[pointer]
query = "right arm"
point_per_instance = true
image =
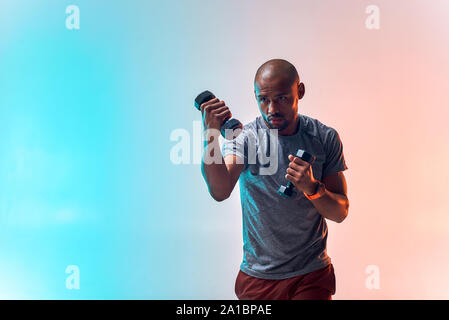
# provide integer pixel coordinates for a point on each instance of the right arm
(220, 175)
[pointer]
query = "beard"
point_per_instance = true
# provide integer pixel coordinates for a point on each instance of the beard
(279, 126)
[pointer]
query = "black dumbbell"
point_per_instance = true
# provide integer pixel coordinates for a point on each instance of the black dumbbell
(287, 191)
(228, 124)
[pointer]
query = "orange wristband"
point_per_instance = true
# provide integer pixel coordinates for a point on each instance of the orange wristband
(320, 191)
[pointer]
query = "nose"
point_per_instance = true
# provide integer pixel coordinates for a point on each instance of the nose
(272, 109)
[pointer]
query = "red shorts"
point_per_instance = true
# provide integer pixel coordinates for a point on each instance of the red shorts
(316, 285)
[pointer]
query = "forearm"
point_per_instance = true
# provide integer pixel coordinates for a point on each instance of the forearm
(333, 206)
(215, 172)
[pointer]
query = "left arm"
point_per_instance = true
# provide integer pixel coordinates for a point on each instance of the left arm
(334, 203)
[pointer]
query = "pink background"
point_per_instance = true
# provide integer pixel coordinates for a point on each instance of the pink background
(385, 91)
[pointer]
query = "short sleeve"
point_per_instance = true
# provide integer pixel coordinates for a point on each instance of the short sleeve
(335, 160)
(237, 146)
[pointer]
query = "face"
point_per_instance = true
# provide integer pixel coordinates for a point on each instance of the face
(278, 103)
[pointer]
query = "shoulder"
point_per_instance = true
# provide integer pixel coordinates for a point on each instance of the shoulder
(253, 125)
(248, 133)
(251, 129)
(317, 129)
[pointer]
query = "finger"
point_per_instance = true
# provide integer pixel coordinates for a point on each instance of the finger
(295, 166)
(219, 110)
(225, 114)
(290, 178)
(212, 109)
(299, 161)
(210, 101)
(294, 173)
(205, 104)
(214, 106)
(217, 104)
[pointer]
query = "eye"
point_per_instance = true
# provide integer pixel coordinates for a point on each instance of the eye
(282, 98)
(262, 99)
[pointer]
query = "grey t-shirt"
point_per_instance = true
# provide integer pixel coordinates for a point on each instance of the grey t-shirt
(282, 237)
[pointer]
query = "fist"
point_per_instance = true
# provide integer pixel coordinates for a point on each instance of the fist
(214, 113)
(299, 172)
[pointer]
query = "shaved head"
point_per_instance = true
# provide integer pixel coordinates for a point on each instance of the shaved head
(277, 89)
(277, 68)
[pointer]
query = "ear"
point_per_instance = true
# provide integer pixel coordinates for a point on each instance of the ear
(301, 91)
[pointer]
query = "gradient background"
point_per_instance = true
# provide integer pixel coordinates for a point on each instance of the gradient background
(85, 123)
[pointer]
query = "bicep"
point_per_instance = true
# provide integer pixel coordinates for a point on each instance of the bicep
(336, 183)
(234, 164)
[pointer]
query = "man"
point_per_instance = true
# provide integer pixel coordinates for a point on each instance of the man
(284, 238)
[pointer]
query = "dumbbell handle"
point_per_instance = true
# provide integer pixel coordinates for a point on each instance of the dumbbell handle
(305, 156)
(288, 189)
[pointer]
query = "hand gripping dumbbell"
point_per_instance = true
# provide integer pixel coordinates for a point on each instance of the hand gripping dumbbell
(287, 191)
(228, 124)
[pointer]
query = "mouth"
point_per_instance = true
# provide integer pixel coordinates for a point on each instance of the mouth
(276, 120)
